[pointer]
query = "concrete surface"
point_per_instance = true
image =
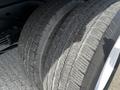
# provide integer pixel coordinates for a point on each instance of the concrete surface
(12, 75)
(115, 84)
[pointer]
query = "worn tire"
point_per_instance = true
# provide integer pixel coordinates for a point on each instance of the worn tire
(68, 52)
(43, 20)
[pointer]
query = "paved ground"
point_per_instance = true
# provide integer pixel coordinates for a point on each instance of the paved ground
(12, 76)
(115, 84)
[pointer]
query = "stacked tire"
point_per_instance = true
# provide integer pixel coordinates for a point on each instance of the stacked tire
(64, 45)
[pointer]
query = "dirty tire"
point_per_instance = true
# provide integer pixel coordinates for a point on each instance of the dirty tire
(43, 20)
(64, 48)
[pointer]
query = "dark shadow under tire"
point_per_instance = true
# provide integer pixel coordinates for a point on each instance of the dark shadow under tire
(65, 47)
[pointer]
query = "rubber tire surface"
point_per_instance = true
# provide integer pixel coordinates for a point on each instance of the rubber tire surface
(69, 54)
(48, 17)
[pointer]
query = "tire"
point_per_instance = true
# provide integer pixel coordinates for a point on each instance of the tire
(48, 17)
(68, 52)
